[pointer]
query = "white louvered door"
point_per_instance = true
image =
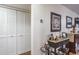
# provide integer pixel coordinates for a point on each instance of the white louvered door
(20, 32)
(28, 32)
(11, 21)
(3, 32)
(15, 32)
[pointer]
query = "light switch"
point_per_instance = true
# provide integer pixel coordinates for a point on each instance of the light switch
(41, 20)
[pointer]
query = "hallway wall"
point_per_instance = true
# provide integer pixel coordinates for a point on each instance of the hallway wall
(40, 31)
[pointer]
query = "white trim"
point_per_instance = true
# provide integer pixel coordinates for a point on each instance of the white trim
(14, 8)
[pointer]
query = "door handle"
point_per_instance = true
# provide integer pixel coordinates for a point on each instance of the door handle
(11, 35)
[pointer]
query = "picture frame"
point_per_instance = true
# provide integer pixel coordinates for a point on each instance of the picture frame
(68, 22)
(64, 35)
(77, 22)
(55, 22)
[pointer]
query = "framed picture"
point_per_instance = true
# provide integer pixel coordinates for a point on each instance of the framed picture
(64, 35)
(68, 22)
(77, 22)
(55, 22)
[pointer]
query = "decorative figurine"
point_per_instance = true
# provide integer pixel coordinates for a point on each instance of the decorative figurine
(56, 38)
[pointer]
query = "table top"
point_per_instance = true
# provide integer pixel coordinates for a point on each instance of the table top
(58, 43)
(59, 40)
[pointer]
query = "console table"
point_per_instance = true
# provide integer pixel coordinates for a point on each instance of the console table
(57, 43)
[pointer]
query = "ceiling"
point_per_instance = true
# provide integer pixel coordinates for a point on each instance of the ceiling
(73, 7)
(21, 6)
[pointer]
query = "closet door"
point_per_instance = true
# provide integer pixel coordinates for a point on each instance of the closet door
(11, 19)
(20, 32)
(28, 32)
(3, 31)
